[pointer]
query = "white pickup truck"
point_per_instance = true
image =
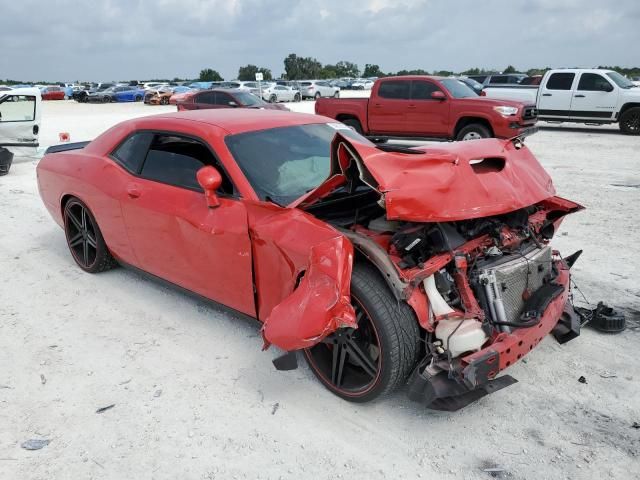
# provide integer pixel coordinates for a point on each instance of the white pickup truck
(581, 95)
(19, 122)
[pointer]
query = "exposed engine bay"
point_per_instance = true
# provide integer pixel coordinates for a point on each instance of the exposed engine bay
(481, 288)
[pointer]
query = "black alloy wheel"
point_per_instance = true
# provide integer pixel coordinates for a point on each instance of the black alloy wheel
(164, 101)
(84, 238)
(360, 364)
(630, 121)
(350, 358)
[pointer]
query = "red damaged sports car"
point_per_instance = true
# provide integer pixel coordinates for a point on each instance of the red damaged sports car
(382, 264)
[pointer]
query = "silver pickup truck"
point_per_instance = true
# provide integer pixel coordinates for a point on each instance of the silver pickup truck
(591, 96)
(19, 122)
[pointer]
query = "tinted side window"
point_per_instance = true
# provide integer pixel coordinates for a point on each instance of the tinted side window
(206, 97)
(478, 78)
(422, 90)
(499, 79)
(593, 82)
(223, 99)
(560, 81)
(397, 89)
(130, 154)
(175, 160)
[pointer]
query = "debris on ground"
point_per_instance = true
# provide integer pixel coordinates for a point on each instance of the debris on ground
(635, 425)
(43, 379)
(608, 375)
(6, 386)
(104, 409)
(125, 382)
(582, 379)
(275, 408)
(35, 443)
(494, 471)
(602, 318)
(157, 393)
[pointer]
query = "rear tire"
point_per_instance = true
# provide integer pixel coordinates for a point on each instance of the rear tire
(137, 98)
(473, 131)
(84, 239)
(317, 96)
(388, 335)
(630, 121)
(296, 97)
(355, 124)
(164, 101)
(106, 100)
(336, 94)
(273, 99)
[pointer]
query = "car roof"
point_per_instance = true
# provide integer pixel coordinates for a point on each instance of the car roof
(243, 120)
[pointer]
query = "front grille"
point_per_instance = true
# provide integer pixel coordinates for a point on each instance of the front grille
(529, 113)
(516, 278)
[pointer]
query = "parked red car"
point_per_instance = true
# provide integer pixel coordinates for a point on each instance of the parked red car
(424, 106)
(224, 98)
(379, 263)
(52, 93)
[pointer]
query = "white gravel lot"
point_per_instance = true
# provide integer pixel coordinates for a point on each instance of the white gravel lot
(196, 398)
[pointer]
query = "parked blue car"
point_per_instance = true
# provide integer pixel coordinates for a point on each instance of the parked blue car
(120, 93)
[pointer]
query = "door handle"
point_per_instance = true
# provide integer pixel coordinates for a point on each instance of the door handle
(546, 94)
(377, 105)
(411, 106)
(133, 191)
(579, 96)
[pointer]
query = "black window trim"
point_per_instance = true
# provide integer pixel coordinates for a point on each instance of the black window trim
(138, 174)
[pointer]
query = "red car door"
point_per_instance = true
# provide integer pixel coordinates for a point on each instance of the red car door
(387, 109)
(175, 236)
(427, 116)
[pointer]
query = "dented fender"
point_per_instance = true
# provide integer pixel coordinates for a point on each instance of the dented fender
(320, 304)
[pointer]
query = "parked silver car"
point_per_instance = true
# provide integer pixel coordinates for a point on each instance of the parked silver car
(318, 88)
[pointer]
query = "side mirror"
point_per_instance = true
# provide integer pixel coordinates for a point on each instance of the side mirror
(606, 87)
(210, 180)
(438, 95)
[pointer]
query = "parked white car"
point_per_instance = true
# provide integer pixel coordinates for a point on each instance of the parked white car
(580, 95)
(318, 88)
(19, 122)
(362, 84)
(280, 93)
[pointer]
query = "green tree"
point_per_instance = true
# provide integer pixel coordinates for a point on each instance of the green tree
(209, 75)
(372, 70)
(248, 73)
(299, 68)
(510, 69)
(347, 69)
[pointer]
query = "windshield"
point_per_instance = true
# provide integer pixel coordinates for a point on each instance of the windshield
(621, 80)
(457, 89)
(282, 164)
(248, 99)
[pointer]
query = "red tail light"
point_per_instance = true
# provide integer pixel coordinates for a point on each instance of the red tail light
(483, 93)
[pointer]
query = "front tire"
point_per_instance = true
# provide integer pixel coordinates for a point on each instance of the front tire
(630, 121)
(364, 363)
(473, 131)
(317, 96)
(336, 94)
(273, 99)
(296, 97)
(84, 239)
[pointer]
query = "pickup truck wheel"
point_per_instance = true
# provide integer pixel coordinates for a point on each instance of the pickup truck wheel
(355, 124)
(317, 95)
(630, 121)
(474, 131)
(374, 359)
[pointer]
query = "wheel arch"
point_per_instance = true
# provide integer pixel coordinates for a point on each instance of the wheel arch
(626, 107)
(468, 120)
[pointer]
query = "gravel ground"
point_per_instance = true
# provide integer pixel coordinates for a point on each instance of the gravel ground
(196, 398)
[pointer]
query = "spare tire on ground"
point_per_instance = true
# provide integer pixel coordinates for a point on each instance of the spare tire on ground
(6, 158)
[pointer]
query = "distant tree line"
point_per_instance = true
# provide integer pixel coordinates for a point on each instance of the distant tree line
(299, 68)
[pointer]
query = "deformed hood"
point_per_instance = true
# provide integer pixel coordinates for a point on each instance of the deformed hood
(444, 182)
